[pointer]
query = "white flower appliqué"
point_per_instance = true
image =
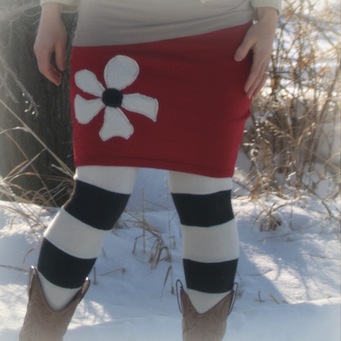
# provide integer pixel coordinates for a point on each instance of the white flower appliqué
(120, 72)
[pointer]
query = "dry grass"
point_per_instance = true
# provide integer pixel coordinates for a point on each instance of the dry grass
(9, 188)
(293, 138)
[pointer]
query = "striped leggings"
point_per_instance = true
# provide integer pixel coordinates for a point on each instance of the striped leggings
(74, 238)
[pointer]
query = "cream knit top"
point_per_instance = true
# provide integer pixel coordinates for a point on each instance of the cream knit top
(120, 22)
(71, 5)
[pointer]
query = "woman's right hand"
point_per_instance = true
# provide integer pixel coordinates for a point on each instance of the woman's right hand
(50, 43)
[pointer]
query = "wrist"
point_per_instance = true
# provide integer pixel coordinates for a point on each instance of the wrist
(267, 14)
(51, 10)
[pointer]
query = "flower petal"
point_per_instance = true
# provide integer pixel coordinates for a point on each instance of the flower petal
(115, 124)
(141, 104)
(86, 110)
(120, 72)
(87, 81)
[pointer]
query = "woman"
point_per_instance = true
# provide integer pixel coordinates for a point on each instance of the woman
(160, 84)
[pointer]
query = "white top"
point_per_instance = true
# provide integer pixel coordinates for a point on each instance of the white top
(120, 22)
(71, 5)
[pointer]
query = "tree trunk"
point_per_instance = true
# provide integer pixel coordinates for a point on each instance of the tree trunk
(29, 166)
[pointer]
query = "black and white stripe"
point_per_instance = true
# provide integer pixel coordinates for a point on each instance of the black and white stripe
(74, 238)
(72, 242)
(210, 237)
(204, 210)
(94, 206)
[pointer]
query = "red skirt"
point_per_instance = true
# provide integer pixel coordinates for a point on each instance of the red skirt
(175, 104)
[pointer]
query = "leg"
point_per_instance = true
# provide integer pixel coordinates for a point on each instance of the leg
(73, 240)
(210, 237)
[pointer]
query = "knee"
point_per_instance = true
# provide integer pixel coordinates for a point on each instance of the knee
(96, 206)
(200, 200)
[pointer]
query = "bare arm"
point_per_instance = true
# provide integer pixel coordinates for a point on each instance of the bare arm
(50, 43)
(259, 39)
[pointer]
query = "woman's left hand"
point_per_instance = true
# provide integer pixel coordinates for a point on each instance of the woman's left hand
(258, 39)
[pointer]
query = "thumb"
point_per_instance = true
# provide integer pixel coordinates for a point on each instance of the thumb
(243, 49)
(60, 56)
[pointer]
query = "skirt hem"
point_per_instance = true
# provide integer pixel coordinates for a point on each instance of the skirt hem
(165, 165)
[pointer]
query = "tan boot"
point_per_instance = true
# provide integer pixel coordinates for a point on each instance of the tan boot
(209, 326)
(41, 322)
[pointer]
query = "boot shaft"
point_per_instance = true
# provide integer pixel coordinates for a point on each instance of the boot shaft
(41, 323)
(208, 326)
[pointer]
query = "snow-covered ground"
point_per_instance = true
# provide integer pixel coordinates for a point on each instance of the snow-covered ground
(289, 278)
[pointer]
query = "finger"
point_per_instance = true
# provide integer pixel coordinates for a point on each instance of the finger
(251, 91)
(60, 56)
(243, 49)
(260, 65)
(44, 56)
(261, 84)
(257, 86)
(50, 72)
(256, 72)
(54, 75)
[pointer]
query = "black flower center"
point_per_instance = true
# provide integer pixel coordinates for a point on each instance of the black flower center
(112, 97)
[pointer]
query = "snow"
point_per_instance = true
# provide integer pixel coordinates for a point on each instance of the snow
(289, 277)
